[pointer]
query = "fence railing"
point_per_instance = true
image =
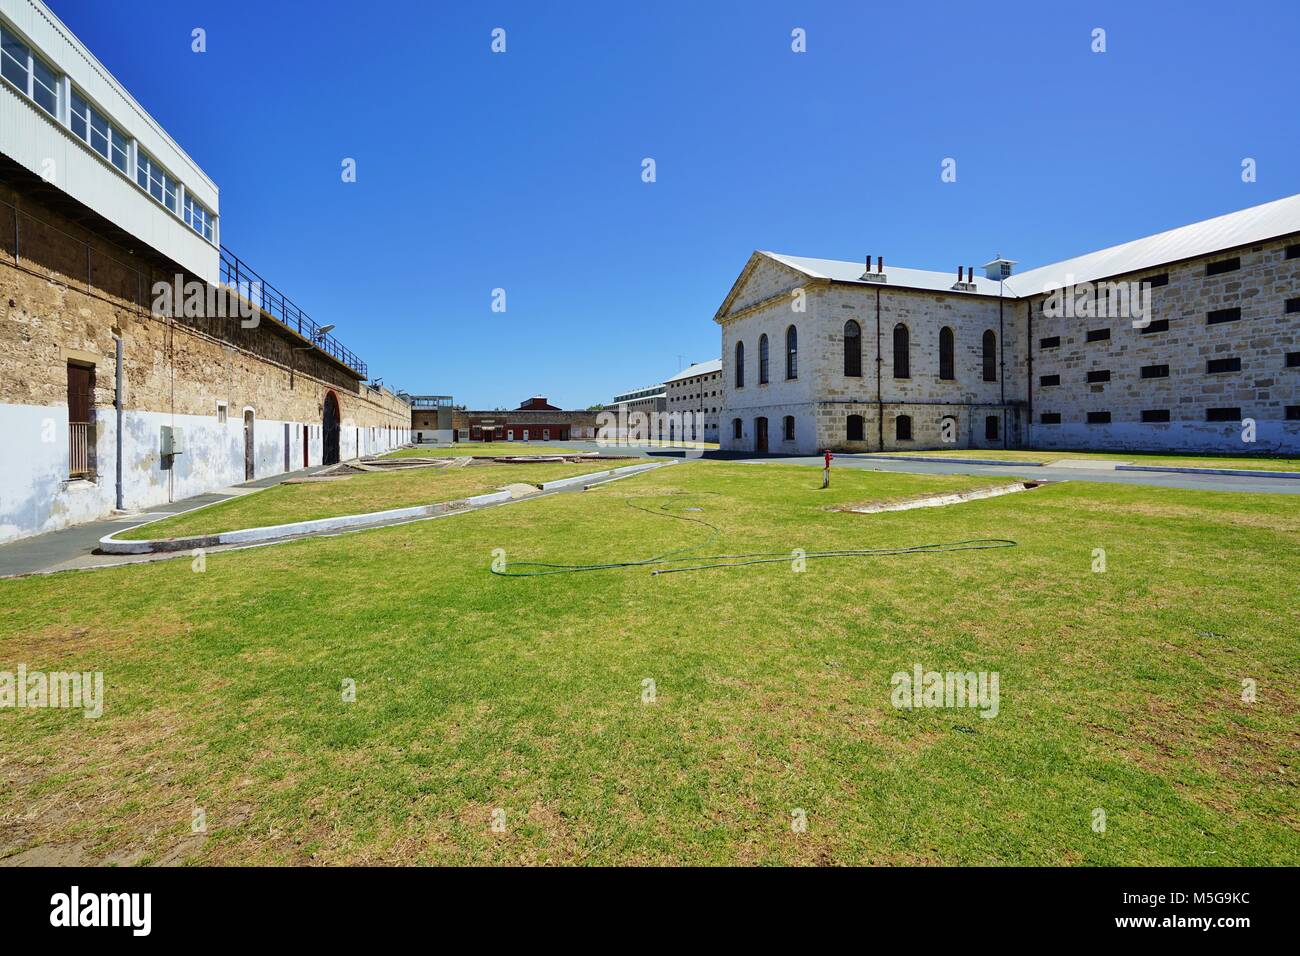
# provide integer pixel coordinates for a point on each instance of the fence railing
(79, 435)
(238, 276)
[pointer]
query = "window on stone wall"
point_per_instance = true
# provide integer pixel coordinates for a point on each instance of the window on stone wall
(1293, 413)
(1293, 251)
(1217, 366)
(855, 430)
(1219, 316)
(736, 428)
(902, 352)
(1049, 418)
(1155, 325)
(1293, 359)
(740, 365)
(1292, 305)
(221, 413)
(1051, 342)
(1155, 371)
(762, 359)
(787, 428)
(791, 352)
(947, 355)
(852, 349)
(1155, 415)
(1156, 282)
(990, 356)
(1099, 418)
(1047, 381)
(1099, 375)
(1098, 335)
(903, 428)
(1222, 266)
(991, 427)
(1223, 414)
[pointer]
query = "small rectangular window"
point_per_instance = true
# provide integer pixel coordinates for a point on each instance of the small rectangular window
(221, 413)
(1051, 342)
(1050, 418)
(1155, 371)
(1153, 415)
(1222, 266)
(1156, 325)
(1099, 418)
(45, 87)
(1099, 375)
(1293, 305)
(1222, 315)
(1293, 251)
(1215, 366)
(1293, 413)
(1098, 335)
(1156, 282)
(991, 428)
(1293, 359)
(1223, 414)
(1048, 380)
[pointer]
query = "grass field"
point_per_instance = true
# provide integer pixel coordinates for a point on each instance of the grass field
(527, 697)
(359, 494)
(1129, 458)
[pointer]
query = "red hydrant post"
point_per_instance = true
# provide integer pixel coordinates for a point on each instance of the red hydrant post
(826, 475)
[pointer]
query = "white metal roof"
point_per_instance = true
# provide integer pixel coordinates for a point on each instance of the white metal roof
(895, 276)
(699, 368)
(1255, 224)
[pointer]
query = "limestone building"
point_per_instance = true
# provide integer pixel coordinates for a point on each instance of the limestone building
(535, 419)
(693, 396)
(140, 360)
(1186, 340)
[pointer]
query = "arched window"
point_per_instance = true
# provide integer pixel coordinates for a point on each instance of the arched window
(787, 428)
(855, 429)
(852, 349)
(990, 356)
(740, 365)
(946, 370)
(735, 428)
(762, 359)
(902, 348)
(791, 353)
(903, 428)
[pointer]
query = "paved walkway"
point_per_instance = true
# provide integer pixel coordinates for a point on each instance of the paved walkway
(1076, 471)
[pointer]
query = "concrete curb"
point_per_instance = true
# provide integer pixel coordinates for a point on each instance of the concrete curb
(277, 532)
(950, 461)
(280, 532)
(1241, 473)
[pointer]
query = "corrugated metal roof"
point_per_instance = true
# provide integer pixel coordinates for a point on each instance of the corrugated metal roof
(699, 368)
(1241, 228)
(895, 276)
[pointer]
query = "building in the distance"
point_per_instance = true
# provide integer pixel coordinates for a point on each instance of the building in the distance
(534, 420)
(140, 360)
(432, 418)
(1186, 340)
(693, 396)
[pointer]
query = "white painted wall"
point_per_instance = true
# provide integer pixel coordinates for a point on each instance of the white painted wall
(36, 495)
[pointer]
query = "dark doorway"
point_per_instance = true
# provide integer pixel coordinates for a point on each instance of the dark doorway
(331, 430)
(288, 443)
(760, 436)
(306, 445)
(81, 406)
(248, 446)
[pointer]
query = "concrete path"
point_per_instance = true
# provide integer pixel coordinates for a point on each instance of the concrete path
(1104, 471)
(72, 547)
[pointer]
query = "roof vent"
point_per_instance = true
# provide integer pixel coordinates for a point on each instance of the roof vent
(998, 268)
(879, 274)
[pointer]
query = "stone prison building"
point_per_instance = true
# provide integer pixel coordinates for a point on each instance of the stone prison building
(109, 400)
(1188, 340)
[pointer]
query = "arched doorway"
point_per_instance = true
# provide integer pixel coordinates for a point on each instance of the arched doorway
(331, 429)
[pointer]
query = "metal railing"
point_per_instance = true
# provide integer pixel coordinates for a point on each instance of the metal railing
(236, 275)
(79, 450)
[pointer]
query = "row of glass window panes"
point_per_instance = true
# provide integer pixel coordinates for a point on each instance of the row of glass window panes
(22, 68)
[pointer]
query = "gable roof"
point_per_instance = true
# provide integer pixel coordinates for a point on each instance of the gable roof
(896, 276)
(699, 368)
(1241, 228)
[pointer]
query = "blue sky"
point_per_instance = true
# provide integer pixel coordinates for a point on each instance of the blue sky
(522, 170)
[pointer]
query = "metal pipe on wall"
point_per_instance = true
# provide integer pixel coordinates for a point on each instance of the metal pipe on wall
(119, 401)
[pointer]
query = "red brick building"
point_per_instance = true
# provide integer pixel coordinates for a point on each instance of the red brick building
(534, 420)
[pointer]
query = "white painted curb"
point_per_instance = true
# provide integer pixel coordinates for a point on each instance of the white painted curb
(623, 472)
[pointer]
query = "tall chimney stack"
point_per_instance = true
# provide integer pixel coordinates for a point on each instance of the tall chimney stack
(880, 263)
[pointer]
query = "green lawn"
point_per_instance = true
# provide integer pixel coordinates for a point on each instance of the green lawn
(485, 448)
(359, 494)
(1128, 457)
(475, 693)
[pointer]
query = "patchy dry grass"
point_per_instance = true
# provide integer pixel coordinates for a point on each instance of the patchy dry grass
(1119, 690)
(1249, 462)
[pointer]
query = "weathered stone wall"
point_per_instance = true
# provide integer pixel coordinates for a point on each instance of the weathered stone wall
(701, 396)
(1263, 389)
(201, 375)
